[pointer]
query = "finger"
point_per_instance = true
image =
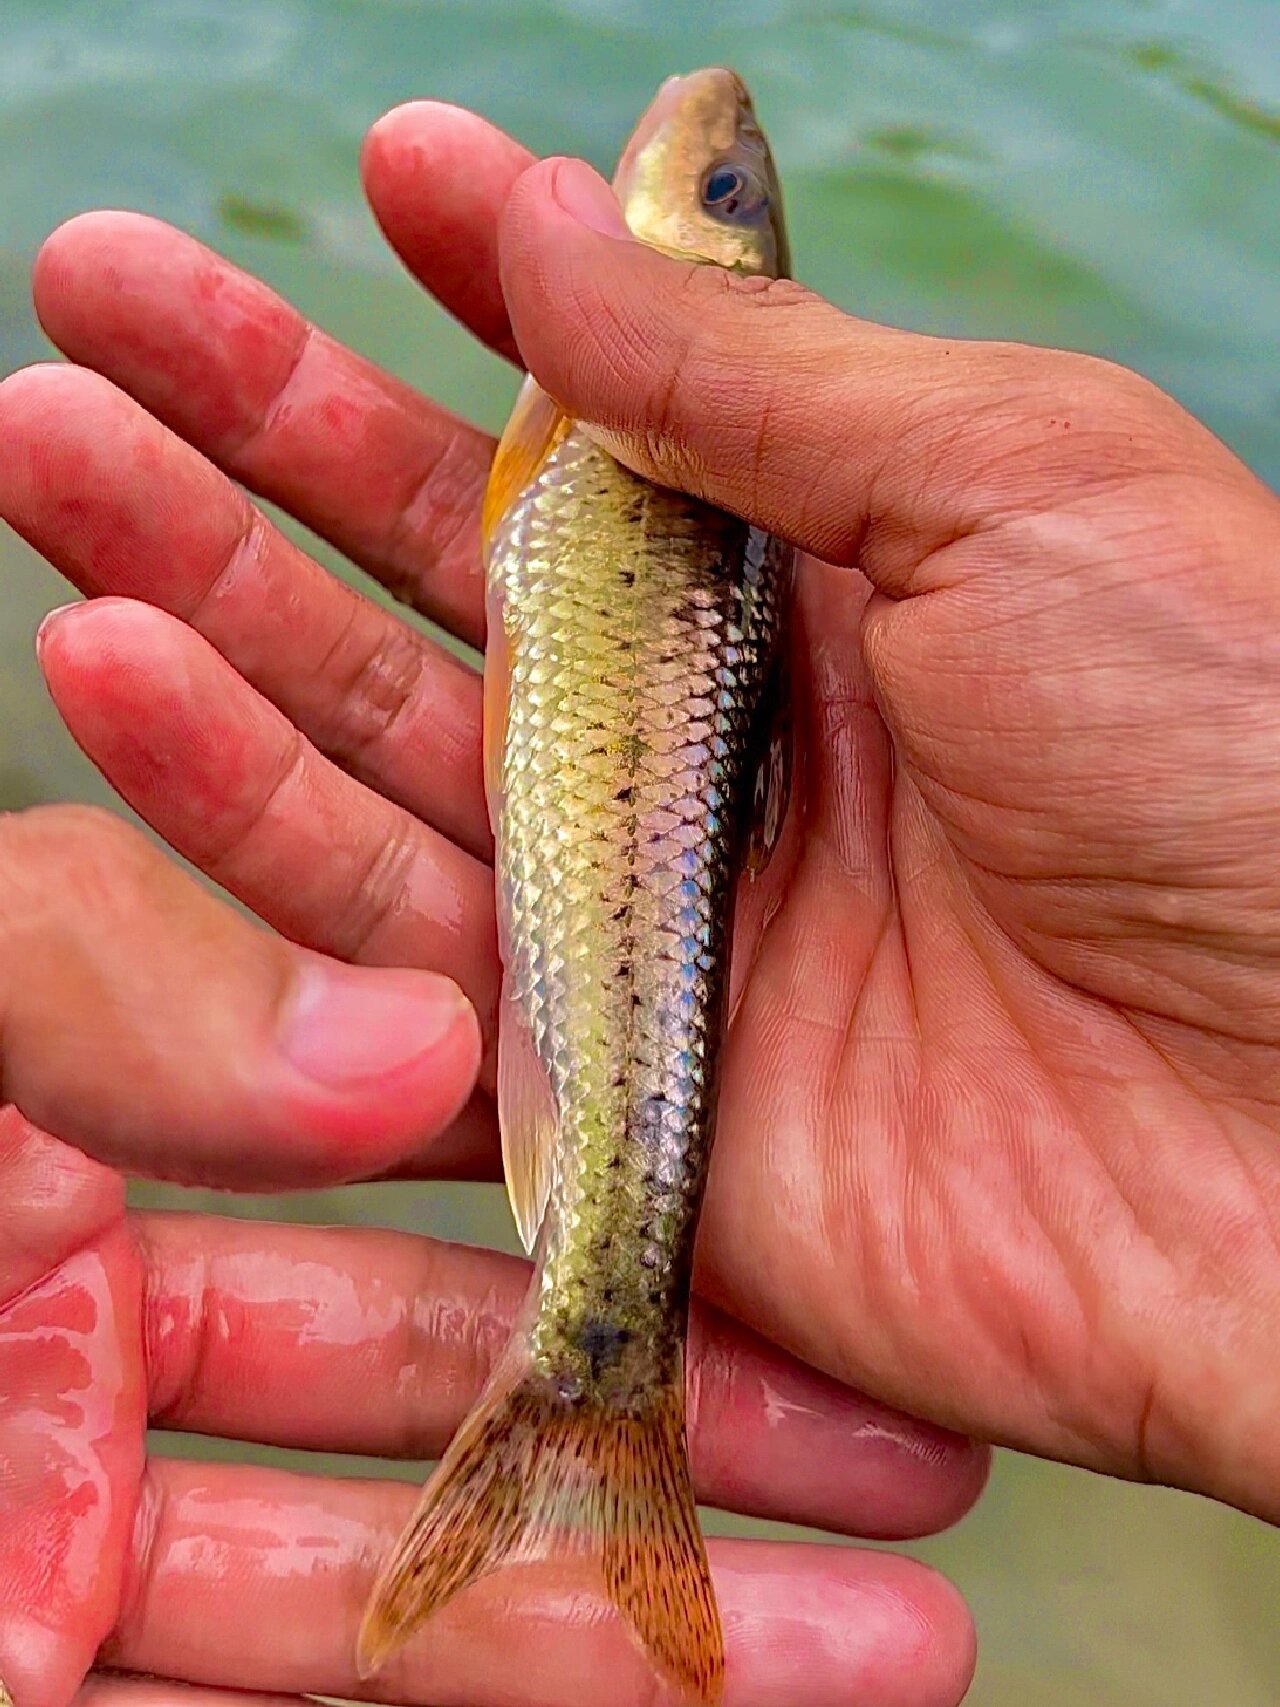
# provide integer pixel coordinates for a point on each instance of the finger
(118, 1689)
(227, 779)
(120, 505)
(72, 1410)
(392, 480)
(148, 1023)
(378, 1343)
(436, 177)
(286, 1562)
(860, 443)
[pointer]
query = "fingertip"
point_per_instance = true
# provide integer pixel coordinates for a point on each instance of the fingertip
(78, 247)
(61, 425)
(373, 1058)
(23, 383)
(570, 316)
(970, 1471)
(412, 129)
(138, 299)
(26, 397)
(348, 1027)
(436, 177)
(776, 1438)
(47, 651)
(109, 635)
(944, 1657)
(530, 203)
(34, 400)
(109, 662)
(916, 1645)
(569, 187)
(839, 1627)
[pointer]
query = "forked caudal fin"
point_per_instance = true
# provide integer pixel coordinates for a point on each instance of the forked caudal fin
(533, 1475)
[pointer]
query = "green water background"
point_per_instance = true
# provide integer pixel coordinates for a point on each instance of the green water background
(1101, 175)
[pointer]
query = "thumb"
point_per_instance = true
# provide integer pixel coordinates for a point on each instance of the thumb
(858, 442)
(144, 1021)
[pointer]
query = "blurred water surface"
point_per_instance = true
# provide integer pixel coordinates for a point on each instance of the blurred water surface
(1101, 176)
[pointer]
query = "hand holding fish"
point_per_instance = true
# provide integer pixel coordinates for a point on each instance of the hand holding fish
(1001, 1134)
(997, 1135)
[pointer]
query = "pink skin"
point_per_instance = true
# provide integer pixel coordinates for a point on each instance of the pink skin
(283, 1561)
(72, 1408)
(238, 782)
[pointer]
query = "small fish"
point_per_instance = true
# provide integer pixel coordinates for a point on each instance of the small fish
(636, 761)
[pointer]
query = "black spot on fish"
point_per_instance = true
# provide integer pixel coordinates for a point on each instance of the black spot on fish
(603, 1343)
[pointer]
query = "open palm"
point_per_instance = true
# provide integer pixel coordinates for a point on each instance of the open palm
(998, 1133)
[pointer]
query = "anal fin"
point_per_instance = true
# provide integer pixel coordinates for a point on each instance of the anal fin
(527, 1117)
(771, 792)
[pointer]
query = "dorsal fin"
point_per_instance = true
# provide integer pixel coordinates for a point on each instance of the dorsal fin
(535, 427)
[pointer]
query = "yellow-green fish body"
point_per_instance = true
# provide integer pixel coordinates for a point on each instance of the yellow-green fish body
(632, 697)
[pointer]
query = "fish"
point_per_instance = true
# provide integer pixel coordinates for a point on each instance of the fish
(637, 753)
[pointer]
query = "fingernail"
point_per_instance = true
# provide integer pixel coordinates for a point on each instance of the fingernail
(584, 196)
(345, 1026)
(46, 628)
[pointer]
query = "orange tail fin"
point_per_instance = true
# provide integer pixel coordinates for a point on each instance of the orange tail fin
(530, 1474)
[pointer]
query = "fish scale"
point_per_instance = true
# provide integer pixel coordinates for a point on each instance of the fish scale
(633, 681)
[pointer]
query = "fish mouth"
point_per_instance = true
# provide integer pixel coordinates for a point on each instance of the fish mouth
(705, 96)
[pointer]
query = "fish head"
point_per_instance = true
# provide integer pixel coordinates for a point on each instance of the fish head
(697, 179)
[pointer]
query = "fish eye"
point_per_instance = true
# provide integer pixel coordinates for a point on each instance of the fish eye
(729, 192)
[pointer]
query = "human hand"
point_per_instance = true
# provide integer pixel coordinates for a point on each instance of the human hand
(140, 1019)
(979, 1219)
(1001, 1128)
(1011, 1033)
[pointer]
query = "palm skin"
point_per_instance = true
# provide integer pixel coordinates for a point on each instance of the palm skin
(998, 1135)
(1010, 1038)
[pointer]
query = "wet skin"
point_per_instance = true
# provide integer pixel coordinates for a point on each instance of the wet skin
(999, 1122)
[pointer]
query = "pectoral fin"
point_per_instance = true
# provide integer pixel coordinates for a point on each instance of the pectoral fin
(771, 793)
